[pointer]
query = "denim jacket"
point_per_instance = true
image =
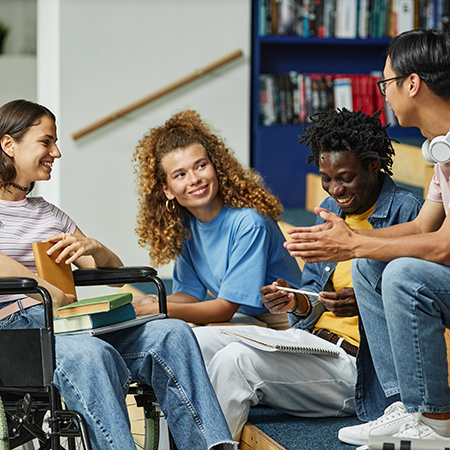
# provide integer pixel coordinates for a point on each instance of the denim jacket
(394, 205)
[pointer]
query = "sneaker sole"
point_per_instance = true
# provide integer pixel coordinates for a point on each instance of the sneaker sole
(395, 443)
(350, 440)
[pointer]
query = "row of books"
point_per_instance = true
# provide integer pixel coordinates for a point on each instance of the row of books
(350, 19)
(292, 98)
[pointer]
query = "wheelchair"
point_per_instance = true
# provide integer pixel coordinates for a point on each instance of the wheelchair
(30, 400)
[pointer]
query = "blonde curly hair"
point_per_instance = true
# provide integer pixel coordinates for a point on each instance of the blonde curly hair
(162, 231)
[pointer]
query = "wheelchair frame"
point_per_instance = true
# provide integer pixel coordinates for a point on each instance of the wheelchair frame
(25, 411)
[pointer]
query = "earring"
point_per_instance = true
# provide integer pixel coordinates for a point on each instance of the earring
(170, 206)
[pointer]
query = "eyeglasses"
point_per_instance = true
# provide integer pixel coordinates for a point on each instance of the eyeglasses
(382, 83)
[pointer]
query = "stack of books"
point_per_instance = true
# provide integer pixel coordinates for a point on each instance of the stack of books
(93, 313)
(93, 316)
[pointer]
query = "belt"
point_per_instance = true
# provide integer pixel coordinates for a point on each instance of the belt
(329, 336)
(26, 302)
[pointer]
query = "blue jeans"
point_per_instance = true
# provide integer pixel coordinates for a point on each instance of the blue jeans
(93, 376)
(405, 309)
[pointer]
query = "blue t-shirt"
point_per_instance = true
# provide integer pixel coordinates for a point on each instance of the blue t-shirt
(233, 256)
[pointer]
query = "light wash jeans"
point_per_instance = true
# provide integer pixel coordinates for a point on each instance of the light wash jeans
(405, 309)
(93, 375)
(299, 384)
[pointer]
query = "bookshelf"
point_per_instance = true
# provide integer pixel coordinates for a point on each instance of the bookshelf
(275, 151)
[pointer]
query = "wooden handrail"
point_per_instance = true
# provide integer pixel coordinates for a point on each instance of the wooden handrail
(161, 92)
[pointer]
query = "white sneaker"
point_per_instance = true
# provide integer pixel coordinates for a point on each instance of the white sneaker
(414, 435)
(387, 425)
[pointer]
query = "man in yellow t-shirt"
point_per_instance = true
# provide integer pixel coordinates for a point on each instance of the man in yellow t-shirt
(354, 155)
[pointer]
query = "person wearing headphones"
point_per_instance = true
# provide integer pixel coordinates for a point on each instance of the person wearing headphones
(400, 273)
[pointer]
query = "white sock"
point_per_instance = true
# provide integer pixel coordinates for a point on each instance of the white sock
(442, 427)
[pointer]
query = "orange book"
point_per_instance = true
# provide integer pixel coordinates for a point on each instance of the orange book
(60, 275)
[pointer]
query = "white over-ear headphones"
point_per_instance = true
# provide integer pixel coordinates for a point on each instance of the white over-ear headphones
(438, 150)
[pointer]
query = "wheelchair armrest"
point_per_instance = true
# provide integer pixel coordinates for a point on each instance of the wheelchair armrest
(21, 285)
(24, 285)
(113, 275)
(122, 275)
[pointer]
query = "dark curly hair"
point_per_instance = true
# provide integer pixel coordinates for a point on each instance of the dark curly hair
(343, 130)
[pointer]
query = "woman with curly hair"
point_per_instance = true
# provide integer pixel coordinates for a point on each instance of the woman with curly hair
(199, 206)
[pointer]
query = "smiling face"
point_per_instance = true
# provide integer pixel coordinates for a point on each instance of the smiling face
(192, 180)
(33, 156)
(354, 189)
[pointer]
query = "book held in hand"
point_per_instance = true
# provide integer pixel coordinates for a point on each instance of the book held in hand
(95, 305)
(272, 344)
(60, 275)
(96, 320)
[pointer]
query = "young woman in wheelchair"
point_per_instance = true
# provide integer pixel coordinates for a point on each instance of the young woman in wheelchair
(93, 374)
(200, 207)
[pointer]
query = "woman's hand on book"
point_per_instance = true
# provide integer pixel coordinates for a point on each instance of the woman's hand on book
(276, 301)
(85, 252)
(72, 246)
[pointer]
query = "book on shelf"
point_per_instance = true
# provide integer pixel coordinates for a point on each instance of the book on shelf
(286, 17)
(343, 93)
(59, 275)
(312, 345)
(346, 19)
(349, 18)
(95, 320)
(95, 305)
(363, 19)
(291, 98)
(404, 10)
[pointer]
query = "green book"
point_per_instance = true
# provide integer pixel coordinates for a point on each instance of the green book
(95, 305)
(92, 321)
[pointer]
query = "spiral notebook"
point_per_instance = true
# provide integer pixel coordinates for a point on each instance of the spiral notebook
(269, 344)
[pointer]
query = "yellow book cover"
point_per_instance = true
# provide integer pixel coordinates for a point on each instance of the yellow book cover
(60, 275)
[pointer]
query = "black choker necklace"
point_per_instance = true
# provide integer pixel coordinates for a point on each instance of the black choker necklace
(21, 188)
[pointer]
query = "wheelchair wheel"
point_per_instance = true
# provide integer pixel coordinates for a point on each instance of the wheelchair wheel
(28, 423)
(3, 428)
(144, 421)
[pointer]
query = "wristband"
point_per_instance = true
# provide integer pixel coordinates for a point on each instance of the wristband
(294, 309)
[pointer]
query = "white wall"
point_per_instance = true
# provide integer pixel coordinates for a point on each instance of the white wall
(17, 77)
(18, 60)
(96, 56)
(20, 16)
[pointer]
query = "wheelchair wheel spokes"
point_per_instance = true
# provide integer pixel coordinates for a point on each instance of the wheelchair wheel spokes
(144, 415)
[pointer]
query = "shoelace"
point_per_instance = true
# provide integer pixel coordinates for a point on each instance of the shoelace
(396, 409)
(413, 430)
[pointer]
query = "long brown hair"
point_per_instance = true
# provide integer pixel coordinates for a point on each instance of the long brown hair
(162, 231)
(16, 118)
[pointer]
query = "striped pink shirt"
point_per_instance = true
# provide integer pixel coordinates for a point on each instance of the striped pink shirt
(27, 221)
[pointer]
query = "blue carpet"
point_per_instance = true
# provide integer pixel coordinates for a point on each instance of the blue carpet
(299, 433)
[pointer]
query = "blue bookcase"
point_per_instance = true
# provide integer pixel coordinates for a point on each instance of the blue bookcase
(275, 151)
